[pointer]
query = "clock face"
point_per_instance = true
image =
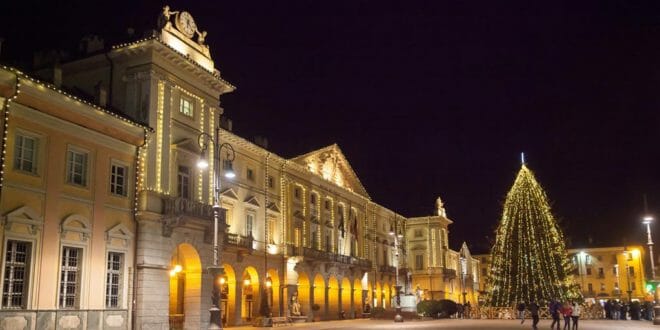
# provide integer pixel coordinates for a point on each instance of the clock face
(186, 24)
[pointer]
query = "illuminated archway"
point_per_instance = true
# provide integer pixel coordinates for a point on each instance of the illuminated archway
(319, 294)
(228, 295)
(333, 298)
(303, 293)
(250, 289)
(346, 291)
(273, 291)
(185, 286)
(387, 295)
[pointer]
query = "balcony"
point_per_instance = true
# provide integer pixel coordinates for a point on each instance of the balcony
(239, 242)
(449, 273)
(184, 206)
(387, 269)
(315, 254)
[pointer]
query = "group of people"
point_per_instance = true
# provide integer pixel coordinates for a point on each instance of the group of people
(621, 310)
(463, 311)
(569, 310)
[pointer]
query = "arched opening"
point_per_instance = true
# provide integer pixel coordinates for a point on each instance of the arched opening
(250, 282)
(319, 294)
(387, 296)
(228, 295)
(358, 297)
(273, 291)
(185, 287)
(346, 291)
(303, 293)
(333, 298)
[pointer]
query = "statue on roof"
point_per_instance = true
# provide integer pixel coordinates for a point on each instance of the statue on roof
(441, 207)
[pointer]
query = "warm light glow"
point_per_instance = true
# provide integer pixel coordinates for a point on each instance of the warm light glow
(635, 253)
(202, 164)
(246, 282)
(222, 280)
(269, 282)
(272, 249)
(178, 268)
(647, 219)
(230, 174)
(172, 273)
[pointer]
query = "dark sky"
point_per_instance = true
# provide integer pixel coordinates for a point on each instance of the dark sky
(430, 98)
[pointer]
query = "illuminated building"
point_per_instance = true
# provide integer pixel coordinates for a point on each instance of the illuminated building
(603, 273)
(436, 271)
(306, 224)
(67, 205)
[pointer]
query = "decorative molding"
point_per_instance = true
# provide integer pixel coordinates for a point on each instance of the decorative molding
(119, 231)
(24, 216)
(77, 224)
(169, 223)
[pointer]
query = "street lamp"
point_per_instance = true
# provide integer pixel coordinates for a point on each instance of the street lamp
(627, 256)
(647, 220)
(203, 140)
(397, 317)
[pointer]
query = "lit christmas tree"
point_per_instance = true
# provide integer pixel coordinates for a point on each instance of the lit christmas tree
(529, 260)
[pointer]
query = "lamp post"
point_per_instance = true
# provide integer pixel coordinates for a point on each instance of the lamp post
(627, 256)
(397, 317)
(204, 139)
(647, 220)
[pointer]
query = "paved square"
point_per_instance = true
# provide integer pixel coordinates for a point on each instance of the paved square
(466, 324)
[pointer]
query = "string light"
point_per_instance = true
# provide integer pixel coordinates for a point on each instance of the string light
(529, 259)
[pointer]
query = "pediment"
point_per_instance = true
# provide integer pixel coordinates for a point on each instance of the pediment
(272, 206)
(252, 200)
(77, 226)
(330, 164)
(119, 235)
(23, 219)
(230, 193)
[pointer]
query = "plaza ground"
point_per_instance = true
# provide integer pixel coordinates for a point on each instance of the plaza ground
(464, 324)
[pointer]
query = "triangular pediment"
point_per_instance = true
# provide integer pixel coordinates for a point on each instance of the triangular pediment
(252, 201)
(272, 206)
(330, 164)
(229, 192)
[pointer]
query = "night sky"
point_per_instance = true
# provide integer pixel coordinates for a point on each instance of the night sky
(430, 98)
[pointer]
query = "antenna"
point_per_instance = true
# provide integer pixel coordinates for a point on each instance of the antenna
(646, 206)
(522, 158)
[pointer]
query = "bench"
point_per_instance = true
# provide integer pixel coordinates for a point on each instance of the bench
(276, 320)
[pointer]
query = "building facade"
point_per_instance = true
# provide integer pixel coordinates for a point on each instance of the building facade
(67, 205)
(106, 197)
(603, 273)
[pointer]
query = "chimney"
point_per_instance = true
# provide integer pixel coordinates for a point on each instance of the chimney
(226, 124)
(101, 94)
(57, 75)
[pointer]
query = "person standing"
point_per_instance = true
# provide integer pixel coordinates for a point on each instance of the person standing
(576, 315)
(554, 312)
(521, 312)
(567, 311)
(534, 310)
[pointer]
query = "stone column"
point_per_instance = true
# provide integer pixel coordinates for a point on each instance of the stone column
(310, 313)
(238, 305)
(352, 312)
(152, 304)
(327, 303)
(340, 299)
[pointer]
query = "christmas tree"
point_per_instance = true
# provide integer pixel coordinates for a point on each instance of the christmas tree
(529, 260)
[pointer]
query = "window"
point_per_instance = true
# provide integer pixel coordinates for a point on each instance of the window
(25, 154)
(632, 286)
(250, 174)
(418, 233)
(587, 259)
(588, 270)
(419, 262)
(118, 179)
(616, 286)
(615, 270)
(77, 167)
(327, 204)
(271, 182)
(113, 279)
(602, 287)
(484, 272)
(249, 222)
(600, 258)
(312, 199)
(601, 272)
(296, 192)
(17, 273)
(183, 182)
(272, 223)
(631, 271)
(591, 287)
(186, 106)
(69, 277)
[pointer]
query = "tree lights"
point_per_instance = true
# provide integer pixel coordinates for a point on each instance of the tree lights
(529, 256)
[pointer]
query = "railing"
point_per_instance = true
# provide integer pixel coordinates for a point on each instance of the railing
(184, 206)
(592, 312)
(176, 321)
(239, 241)
(327, 256)
(449, 273)
(387, 269)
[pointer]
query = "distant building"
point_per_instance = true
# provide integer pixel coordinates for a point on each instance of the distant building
(603, 273)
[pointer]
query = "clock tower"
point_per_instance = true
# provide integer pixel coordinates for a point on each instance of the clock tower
(179, 31)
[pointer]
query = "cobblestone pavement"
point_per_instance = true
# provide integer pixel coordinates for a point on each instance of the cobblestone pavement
(462, 324)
